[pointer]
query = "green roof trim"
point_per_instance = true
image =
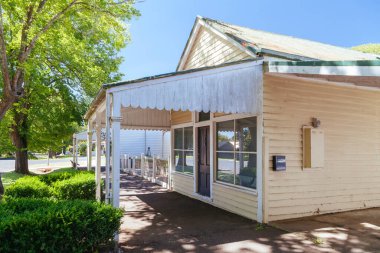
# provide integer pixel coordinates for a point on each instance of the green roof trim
(361, 63)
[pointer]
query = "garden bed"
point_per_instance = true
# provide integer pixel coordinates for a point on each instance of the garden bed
(55, 212)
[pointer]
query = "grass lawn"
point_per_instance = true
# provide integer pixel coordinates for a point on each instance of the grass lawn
(9, 178)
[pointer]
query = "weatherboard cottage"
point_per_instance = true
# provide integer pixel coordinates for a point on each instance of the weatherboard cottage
(263, 125)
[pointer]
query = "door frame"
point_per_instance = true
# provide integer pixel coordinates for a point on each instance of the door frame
(210, 123)
(197, 162)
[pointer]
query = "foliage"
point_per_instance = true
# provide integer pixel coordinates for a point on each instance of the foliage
(82, 149)
(368, 48)
(248, 171)
(65, 184)
(41, 225)
(50, 40)
(62, 175)
(10, 177)
(54, 116)
(29, 186)
(80, 186)
(6, 145)
(260, 226)
(317, 241)
(58, 54)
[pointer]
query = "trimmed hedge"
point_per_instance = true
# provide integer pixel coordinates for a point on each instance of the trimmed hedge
(43, 225)
(59, 176)
(28, 187)
(80, 186)
(63, 186)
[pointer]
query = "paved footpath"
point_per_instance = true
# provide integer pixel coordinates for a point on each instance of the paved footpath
(157, 220)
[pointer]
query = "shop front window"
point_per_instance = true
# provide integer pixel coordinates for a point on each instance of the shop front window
(236, 152)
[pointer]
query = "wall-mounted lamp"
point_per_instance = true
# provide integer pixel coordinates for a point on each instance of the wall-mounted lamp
(315, 122)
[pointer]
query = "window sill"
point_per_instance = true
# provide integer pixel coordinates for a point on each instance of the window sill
(237, 187)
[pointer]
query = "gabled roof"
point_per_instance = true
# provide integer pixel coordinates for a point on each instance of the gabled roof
(282, 46)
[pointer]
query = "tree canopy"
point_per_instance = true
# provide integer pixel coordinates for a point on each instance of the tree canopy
(55, 38)
(368, 48)
(54, 57)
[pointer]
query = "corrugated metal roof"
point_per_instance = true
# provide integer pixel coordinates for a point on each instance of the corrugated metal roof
(271, 43)
(177, 73)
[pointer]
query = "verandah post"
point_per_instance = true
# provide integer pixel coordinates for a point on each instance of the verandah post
(116, 121)
(108, 145)
(98, 157)
(89, 145)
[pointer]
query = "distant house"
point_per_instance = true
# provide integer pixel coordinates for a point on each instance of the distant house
(313, 108)
(226, 145)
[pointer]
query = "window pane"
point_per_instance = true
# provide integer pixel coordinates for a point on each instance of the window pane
(188, 132)
(203, 116)
(178, 138)
(225, 167)
(188, 167)
(225, 136)
(178, 155)
(246, 170)
(246, 132)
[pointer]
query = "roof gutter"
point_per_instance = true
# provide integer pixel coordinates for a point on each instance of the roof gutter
(292, 57)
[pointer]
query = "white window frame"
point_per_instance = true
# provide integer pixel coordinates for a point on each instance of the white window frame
(234, 118)
(182, 126)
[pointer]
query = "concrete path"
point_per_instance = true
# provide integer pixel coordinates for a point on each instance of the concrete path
(157, 220)
(355, 231)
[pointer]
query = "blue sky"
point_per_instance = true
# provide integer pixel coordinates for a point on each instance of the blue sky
(160, 34)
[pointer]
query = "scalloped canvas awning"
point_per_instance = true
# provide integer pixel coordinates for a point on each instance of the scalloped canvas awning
(235, 88)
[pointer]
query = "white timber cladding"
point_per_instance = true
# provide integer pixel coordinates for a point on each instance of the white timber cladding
(136, 142)
(350, 119)
(230, 89)
(236, 199)
(209, 49)
(183, 184)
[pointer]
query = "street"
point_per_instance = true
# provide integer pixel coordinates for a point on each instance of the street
(9, 165)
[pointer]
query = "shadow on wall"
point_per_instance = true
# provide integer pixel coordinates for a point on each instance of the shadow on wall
(160, 221)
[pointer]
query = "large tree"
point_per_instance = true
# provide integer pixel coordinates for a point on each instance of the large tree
(54, 56)
(368, 48)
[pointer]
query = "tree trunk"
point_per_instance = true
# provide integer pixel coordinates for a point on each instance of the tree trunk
(1, 188)
(52, 154)
(19, 139)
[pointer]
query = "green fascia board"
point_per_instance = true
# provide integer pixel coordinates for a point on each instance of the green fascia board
(360, 63)
(291, 57)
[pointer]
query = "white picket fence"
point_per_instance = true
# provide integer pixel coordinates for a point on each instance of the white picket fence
(151, 168)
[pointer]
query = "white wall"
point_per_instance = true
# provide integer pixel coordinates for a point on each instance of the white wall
(136, 142)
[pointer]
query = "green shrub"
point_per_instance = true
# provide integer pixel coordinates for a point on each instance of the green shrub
(82, 149)
(80, 186)
(59, 176)
(42, 225)
(61, 185)
(28, 187)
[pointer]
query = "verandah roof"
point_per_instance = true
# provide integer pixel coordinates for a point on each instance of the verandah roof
(233, 88)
